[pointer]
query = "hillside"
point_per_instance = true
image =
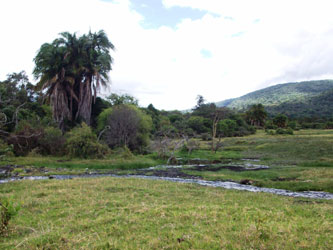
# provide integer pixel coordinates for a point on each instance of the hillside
(310, 98)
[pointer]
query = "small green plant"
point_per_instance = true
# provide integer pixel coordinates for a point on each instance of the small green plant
(7, 211)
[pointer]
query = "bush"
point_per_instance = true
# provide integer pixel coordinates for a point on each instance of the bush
(270, 132)
(5, 149)
(313, 125)
(7, 211)
(82, 142)
(329, 125)
(280, 131)
(269, 125)
(25, 138)
(206, 137)
(129, 127)
(123, 153)
(52, 142)
(293, 125)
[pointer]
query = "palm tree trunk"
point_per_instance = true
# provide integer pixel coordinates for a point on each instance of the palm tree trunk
(85, 102)
(59, 102)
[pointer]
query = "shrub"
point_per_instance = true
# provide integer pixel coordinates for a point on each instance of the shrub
(270, 132)
(269, 125)
(129, 127)
(189, 132)
(7, 211)
(329, 125)
(52, 142)
(25, 138)
(206, 137)
(123, 153)
(293, 125)
(82, 142)
(5, 149)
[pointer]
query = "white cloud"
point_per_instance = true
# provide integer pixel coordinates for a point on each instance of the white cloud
(252, 44)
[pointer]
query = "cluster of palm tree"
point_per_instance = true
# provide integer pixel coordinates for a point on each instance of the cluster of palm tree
(70, 71)
(256, 115)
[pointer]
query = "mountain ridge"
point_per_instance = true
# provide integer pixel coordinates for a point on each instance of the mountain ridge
(291, 98)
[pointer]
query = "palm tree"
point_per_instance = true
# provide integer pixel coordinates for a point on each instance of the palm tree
(94, 70)
(256, 115)
(71, 69)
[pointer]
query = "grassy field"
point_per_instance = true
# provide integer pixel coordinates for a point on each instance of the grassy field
(299, 162)
(113, 213)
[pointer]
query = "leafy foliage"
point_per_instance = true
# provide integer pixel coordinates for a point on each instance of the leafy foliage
(52, 142)
(115, 99)
(71, 69)
(128, 127)
(256, 115)
(82, 142)
(25, 138)
(7, 211)
(5, 149)
(280, 121)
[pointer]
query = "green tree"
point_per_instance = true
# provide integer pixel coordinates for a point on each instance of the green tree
(256, 115)
(197, 123)
(115, 99)
(127, 125)
(226, 128)
(280, 120)
(71, 69)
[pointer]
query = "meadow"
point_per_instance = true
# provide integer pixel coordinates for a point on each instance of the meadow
(299, 162)
(113, 213)
(129, 213)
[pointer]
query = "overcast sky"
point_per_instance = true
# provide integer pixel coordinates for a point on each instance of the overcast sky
(169, 51)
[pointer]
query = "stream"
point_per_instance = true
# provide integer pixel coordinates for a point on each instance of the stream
(222, 184)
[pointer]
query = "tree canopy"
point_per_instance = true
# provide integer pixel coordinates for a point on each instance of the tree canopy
(71, 69)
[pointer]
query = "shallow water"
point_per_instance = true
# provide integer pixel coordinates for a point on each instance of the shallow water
(222, 184)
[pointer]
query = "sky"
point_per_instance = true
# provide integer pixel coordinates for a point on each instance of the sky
(169, 51)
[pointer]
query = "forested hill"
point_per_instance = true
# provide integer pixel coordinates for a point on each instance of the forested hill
(310, 98)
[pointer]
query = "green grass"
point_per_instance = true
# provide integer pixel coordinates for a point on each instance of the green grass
(209, 155)
(290, 178)
(305, 146)
(299, 162)
(114, 162)
(111, 213)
